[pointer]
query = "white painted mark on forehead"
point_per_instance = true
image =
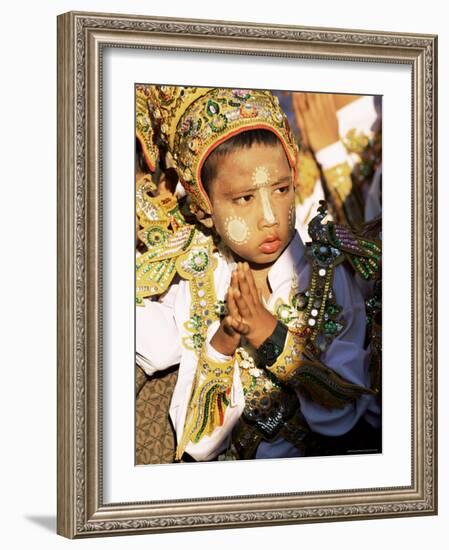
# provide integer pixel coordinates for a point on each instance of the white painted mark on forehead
(261, 176)
(237, 230)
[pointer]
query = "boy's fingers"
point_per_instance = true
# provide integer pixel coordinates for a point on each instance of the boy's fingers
(235, 280)
(232, 325)
(227, 326)
(242, 306)
(244, 288)
(251, 284)
(240, 327)
(232, 306)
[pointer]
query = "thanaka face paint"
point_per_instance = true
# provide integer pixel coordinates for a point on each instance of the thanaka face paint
(237, 229)
(262, 181)
(251, 196)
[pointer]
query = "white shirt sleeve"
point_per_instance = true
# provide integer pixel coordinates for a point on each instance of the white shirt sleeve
(332, 155)
(157, 337)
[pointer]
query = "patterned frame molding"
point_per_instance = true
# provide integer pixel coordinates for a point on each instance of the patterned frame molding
(81, 38)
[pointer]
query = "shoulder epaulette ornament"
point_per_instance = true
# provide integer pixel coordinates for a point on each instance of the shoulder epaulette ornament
(173, 246)
(363, 253)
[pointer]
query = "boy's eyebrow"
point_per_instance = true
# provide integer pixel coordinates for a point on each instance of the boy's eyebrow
(283, 179)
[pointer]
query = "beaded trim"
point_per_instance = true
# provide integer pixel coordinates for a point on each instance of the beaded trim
(202, 311)
(209, 398)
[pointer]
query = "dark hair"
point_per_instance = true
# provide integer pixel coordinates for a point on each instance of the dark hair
(243, 140)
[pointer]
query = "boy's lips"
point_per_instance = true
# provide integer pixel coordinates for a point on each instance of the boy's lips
(270, 244)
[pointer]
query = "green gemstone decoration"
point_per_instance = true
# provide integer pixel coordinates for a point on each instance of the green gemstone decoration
(197, 340)
(218, 123)
(212, 108)
(283, 313)
(300, 301)
(199, 261)
(330, 327)
(156, 236)
(332, 309)
(196, 321)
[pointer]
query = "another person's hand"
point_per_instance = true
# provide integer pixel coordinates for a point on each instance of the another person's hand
(316, 116)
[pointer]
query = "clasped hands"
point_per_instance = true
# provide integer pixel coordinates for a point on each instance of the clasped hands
(246, 314)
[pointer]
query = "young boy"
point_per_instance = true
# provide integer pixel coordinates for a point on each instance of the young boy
(269, 335)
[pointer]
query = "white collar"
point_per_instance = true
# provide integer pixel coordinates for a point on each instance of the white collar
(291, 261)
(288, 263)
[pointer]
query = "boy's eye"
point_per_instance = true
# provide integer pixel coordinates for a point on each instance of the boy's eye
(245, 199)
(282, 190)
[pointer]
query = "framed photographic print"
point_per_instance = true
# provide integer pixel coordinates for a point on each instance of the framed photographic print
(247, 274)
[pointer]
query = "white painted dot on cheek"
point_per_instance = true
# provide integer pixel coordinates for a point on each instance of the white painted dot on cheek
(237, 230)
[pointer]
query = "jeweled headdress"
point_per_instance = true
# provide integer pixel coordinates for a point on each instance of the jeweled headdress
(192, 122)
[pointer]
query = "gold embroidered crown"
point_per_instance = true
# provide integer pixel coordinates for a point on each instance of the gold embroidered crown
(192, 122)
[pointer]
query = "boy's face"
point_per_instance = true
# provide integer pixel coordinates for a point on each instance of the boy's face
(253, 203)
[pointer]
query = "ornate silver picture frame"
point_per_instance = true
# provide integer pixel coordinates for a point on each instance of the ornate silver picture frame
(83, 511)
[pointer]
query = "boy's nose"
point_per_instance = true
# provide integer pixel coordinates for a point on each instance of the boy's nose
(268, 216)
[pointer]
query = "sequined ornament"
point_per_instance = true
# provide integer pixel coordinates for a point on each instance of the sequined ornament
(166, 236)
(364, 254)
(197, 266)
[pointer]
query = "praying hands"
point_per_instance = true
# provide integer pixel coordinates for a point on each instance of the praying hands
(246, 315)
